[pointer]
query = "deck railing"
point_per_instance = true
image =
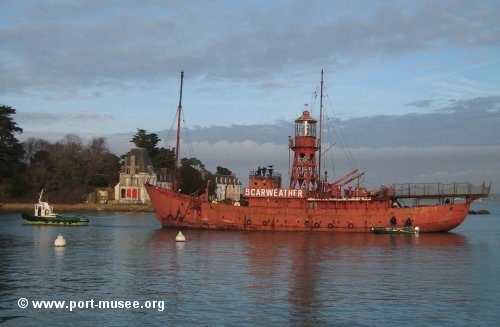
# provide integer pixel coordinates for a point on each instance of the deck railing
(267, 175)
(432, 190)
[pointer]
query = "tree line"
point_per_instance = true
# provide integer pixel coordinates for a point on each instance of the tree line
(68, 169)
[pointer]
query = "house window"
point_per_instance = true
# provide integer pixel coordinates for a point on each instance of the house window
(123, 193)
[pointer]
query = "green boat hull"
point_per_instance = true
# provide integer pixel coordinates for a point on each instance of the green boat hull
(58, 220)
(394, 230)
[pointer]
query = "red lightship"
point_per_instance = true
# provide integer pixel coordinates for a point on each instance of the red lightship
(311, 204)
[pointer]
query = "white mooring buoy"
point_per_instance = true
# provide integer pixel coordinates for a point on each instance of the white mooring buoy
(60, 241)
(180, 237)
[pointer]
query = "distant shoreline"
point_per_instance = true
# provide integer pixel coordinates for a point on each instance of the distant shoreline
(80, 207)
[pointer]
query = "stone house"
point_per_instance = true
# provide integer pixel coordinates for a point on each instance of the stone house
(137, 169)
(228, 187)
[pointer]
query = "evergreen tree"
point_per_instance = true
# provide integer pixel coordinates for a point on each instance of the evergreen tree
(223, 171)
(147, 141)
(164, 159)
(160, 157)
(11, 155)
(194, 177)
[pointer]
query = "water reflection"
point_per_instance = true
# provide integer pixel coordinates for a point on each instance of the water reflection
(59, 252)
(180, 247)
(272, 270)
(319, 270)
(238, 278)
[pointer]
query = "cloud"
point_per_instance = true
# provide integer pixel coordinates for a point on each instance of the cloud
(58, 46)
(420, 103)
(477, 105)
(272, 85)
(48, 118)
(428, 164)
(470, 122)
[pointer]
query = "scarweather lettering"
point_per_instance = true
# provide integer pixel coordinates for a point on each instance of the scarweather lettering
(272, 193)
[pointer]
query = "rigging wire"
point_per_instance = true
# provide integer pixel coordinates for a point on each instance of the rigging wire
(331, 142)
(188, 137)
(327, 126)
(340, 134)
(314, 97)
(169, 140)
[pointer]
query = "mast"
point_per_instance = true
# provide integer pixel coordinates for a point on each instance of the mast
(179, 110)
(320, 185)
(40, 198)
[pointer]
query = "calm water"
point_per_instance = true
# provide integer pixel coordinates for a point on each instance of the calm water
(235, 278)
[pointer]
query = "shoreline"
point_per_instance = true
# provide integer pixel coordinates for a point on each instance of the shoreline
(80, 207)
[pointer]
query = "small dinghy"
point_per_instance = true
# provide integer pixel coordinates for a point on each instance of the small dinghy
(395, 230)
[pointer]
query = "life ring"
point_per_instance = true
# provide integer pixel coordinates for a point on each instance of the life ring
(181, 219)
(350, 226)
(307, 223)
(316, 225)
(264, 223)
(249, 221)
(330, 225)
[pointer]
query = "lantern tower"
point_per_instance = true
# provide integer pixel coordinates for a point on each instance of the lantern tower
(303, 173)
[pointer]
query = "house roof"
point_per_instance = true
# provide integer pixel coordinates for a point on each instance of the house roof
(142, 160)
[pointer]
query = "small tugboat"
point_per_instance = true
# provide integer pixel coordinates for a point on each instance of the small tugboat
(44, 215)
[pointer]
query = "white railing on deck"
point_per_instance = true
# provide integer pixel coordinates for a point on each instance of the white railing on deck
(411, 190)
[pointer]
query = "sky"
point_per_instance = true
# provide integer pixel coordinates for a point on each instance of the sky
(412, 88)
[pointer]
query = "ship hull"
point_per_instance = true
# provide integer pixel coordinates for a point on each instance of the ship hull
(54, 220)
(179, 211)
